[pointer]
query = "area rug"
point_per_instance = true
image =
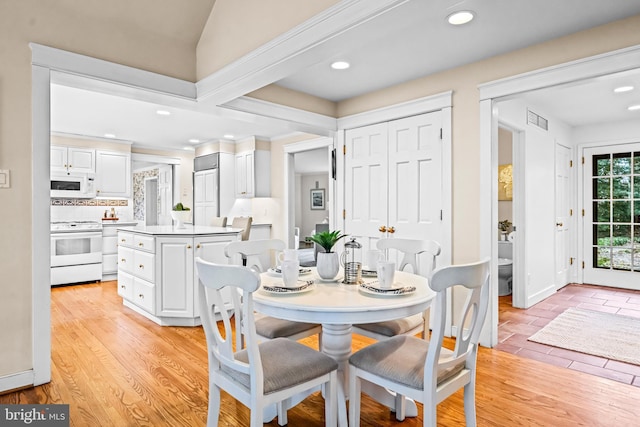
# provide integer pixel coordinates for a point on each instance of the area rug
(592, 332)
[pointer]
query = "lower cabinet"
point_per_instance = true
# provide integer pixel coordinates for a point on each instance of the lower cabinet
(160, 281)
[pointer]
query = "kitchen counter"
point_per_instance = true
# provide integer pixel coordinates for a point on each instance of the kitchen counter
(189, 230)
(120, 222)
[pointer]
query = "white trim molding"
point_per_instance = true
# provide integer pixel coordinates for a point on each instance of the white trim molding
(296, 49)
(305, 121)
(397, 111)
(581, 69)
(16, 381)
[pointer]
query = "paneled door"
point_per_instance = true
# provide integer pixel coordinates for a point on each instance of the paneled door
(611, 221)
(393, 180)
(563, 214)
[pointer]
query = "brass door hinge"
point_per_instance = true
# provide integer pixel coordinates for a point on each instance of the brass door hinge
(571, 261)
(583, 265)
(570, 163)
(583, 160)
(570, 212)
(344, 150)
(344, 213)
(582, 212)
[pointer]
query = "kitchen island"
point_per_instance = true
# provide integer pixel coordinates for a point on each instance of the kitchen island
(157, 277)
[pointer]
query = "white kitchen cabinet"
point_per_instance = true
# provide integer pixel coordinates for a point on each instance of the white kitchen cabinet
(113, 174)
(253, 174)
(67, 160)
(157, 274)
(110, 245)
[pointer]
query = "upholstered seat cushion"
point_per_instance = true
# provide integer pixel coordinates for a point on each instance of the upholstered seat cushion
(401, 359)
(271, 327)
(393, 327)
(285, 363)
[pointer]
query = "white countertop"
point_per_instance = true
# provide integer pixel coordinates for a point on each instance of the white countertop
(188, 230)
(120, 222)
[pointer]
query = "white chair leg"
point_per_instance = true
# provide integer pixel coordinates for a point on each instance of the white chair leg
(354, 397)
(214, 406)
(331, 400)
(282, 411)
(470, 404)
(401, 407)
(256, 415)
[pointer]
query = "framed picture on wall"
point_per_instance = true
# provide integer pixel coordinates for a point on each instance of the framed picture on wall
(317, 198)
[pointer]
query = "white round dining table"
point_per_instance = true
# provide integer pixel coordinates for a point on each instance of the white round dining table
(337, 306)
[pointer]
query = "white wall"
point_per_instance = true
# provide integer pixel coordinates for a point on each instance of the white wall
(310, 217)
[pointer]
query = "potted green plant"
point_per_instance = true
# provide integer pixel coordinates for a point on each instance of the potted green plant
(328, 263)
(180, 214)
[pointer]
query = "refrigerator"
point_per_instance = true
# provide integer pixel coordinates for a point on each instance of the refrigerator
(206, 188)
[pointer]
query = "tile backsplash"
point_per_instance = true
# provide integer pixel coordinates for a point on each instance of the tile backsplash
(63, 209)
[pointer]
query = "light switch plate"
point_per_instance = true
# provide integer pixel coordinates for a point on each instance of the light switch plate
(5, 178)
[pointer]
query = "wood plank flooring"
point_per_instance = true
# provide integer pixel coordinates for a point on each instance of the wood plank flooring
(116, 368)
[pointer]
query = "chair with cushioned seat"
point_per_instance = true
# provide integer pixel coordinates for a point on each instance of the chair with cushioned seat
(424, 370)
(261, 374)
(418, 323)
(243, 222)
(267, 327)
(218, 221)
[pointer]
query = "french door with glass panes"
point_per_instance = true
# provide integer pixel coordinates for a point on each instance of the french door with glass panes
(612, 216)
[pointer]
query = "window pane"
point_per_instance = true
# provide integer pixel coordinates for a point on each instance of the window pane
(601, 212)
(602, 257)
(621, 211)
(621, 187)
(602, 234)
(621, 164)
(636, 260)
(636, 211)
(621, 258)
(636, 162)
(621, 235)
(601, 188)
(601, 165)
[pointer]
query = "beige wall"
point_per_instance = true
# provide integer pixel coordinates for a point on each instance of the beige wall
(237, 27)
(58, 24)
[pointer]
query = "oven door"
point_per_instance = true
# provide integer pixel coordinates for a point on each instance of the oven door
(76, 248)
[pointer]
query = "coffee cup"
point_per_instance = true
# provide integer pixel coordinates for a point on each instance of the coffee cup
(290, 272)
(373, 257)
(288, 255)
(386, 272)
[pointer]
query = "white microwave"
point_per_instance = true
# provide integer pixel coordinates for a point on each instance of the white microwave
(79, 186)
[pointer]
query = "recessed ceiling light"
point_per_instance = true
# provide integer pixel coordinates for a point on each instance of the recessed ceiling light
(163, 113)
(461, 17)
(621, 89)
(634, 107)
(194, 141)
(109, 135)
(228, 136)
(340, 65)
(189, 148)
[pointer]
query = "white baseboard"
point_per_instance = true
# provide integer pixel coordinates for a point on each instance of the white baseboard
(15, 381)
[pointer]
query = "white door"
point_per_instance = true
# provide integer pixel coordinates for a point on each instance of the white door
(205, 196)
(165, 194)
(563, 216)
(611, 223)
(393, 180)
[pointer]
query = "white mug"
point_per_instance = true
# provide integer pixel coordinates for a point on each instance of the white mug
(373, 257)
(386, 271)
(290, 271)
(288, 255)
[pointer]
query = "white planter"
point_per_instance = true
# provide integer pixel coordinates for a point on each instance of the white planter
(328, 265)
(180, 217)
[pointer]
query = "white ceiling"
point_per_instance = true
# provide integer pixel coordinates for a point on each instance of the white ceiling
(411, 41)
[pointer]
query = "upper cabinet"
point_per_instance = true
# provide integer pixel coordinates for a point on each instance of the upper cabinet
(253, 174)
(67, 160)
(113, 174)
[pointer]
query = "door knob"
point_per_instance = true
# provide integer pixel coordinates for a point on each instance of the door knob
(382, 229)
(391, 230)
(559, 224)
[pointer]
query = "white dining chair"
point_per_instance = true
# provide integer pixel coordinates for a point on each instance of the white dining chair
(267, 328)
(410, 249)
(262, 374)
(424, 370)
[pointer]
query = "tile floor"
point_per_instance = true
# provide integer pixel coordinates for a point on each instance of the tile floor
(516, 325)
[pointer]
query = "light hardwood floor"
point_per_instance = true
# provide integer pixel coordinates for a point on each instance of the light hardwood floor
(115, 368)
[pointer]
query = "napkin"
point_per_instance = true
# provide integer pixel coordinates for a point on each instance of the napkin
(275, 288)
(398, 291)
